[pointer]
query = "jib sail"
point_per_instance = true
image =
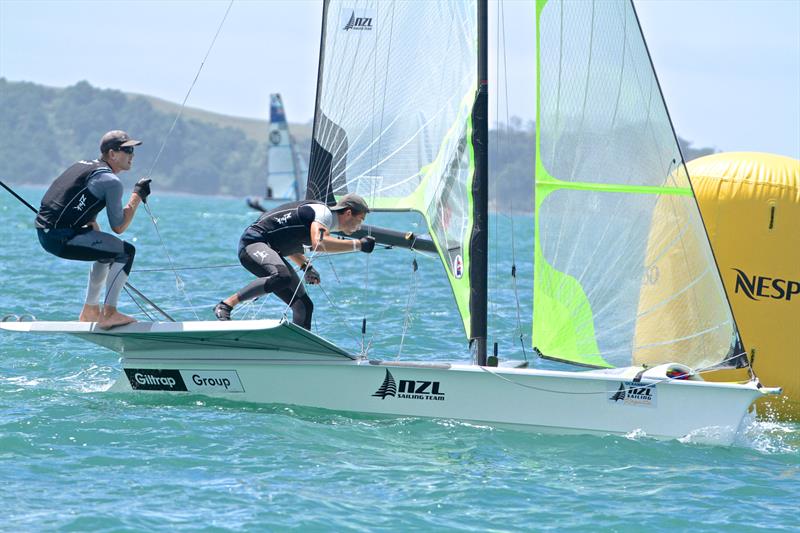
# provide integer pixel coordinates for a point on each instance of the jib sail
(623, 267)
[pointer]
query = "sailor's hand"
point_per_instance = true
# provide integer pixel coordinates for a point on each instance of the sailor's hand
(93, 225)
(367, 244)
(142, 188)
(311, 276)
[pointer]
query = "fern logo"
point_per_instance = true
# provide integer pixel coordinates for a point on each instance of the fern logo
(620, 394)
(388, 388)
(358, 23)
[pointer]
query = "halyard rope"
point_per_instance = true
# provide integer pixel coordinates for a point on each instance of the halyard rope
(178, 281)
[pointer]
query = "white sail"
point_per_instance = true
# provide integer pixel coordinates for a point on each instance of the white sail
(285, 167)
(393, 120)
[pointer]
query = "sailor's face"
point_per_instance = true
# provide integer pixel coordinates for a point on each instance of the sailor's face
(350, 222)
(123, 159)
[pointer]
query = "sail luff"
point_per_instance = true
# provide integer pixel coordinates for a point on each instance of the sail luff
(314, 161)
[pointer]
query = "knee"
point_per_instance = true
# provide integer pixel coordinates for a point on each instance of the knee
(281, 279)
(302, 309)
(129, 249)
(129, 252)
(305, 303)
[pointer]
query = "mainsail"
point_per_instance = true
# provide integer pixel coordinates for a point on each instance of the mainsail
(285, 167)
(396, 87)
(623, 268)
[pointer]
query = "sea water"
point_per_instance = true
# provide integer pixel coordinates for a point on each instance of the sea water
(76, 458)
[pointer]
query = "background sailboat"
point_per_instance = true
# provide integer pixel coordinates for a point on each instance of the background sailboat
(286, 169)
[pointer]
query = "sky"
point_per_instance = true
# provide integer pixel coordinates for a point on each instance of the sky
(729, 69)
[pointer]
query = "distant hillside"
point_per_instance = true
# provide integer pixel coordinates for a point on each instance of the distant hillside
(254, 129)
(45, 129)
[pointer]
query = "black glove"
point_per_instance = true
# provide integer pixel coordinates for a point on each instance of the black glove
(311, 276)
(142, 188)
(367, 244)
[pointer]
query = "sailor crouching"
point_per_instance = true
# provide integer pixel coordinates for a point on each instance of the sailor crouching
(280, 234)
(67, 224)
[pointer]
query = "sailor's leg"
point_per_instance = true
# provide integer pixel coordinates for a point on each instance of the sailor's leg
(294, 295)
(272, 271)
(302, 308)
(105, 248)
(97, 278)
(117, 277)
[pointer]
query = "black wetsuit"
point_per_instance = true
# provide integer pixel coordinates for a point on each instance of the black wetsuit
(262, 249)
(67, 206)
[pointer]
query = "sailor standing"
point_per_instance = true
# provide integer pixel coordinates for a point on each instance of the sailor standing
(67, 225)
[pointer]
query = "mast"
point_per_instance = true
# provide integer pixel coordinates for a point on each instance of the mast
(316, 151)
(479, 243)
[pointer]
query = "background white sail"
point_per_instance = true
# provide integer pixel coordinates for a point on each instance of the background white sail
(285, 168)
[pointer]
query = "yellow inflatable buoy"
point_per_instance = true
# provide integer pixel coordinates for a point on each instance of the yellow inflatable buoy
(750, 204)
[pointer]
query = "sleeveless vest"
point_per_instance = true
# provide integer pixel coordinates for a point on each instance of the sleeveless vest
(68, 202)
(282, 228)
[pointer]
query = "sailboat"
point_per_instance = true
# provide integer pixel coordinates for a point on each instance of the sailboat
(285, 166)
(622, 265)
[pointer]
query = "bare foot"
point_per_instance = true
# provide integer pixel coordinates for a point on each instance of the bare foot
(114, 319)
(90, 313)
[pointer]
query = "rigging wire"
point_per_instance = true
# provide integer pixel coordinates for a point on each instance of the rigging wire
(511, 199)
(139, 271)
(493, 301)
(142, 309)
(180, 285)
(502, 136)
(302, 277)
(365, 346)
(191, 87)
(412, 298)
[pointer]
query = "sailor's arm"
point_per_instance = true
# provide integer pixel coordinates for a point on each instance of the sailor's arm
(311, 275)
(299, 260)
(321, 241)
(127, 213)
(140, 193)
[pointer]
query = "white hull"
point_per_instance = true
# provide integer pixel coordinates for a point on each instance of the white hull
(548, 401)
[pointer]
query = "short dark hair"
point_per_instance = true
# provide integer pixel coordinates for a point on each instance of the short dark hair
(353, 202)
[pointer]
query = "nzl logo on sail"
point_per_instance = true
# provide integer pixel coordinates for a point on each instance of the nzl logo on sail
(409, 389)
(757, 287)
(361, 22)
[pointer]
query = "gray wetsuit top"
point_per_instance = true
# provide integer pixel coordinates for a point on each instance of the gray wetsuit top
(109, 187)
